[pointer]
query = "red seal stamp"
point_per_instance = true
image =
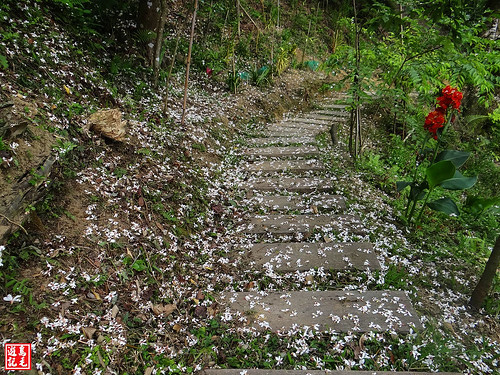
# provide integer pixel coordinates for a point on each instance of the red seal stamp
(17, 356)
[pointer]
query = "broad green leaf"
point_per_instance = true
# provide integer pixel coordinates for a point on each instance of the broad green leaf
(439, 172)
(401, 185)
(445, 205)
(458, 158)
(459, 182)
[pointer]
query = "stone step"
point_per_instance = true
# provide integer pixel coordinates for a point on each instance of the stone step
(305, 120)
(294, 166)
(334, 106)
(337, 113)
(291, 184)
(297, 125)
(298, 202)
(325, 118)
(341, 311)
(293, 256)
(283, 141)
(276, 151)
(315, 372)
(290, 132)
(304, 129)
(290, 224)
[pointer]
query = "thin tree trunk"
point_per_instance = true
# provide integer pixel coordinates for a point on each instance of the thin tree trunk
(355, 130)
(188, 63)
(224, 27)
(238, 17)
(351, 132)
(159, 41)
(483, 286)
(402, 27)
(305, 46)
(235, 82)
(278, 23)
(172, 62)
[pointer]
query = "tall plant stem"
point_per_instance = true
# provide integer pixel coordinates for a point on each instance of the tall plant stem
(423, 206)
(188, 63)
(414, 181)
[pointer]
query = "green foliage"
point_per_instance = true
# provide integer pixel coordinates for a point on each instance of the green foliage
(439, 172)
(479, 205)
(261, 76)
(233, 81)
(3, 146)
(4, 64)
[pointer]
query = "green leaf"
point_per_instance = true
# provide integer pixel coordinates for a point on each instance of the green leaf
(139, 265)
(458, 158)
(478, 205)
(459, 182)
(439, 172)
(445, 205)
(417, 192)
(401, 185)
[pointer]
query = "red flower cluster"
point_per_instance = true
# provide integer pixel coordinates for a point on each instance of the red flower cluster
(451, 97)
(436, 119)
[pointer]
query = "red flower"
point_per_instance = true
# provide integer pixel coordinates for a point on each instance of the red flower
(434, 121)
(456, 98)
(209, 71)
(451, 97)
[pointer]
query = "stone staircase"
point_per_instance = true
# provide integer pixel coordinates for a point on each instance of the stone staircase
(290, 194)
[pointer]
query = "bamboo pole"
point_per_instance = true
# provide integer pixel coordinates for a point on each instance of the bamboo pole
(188, 63)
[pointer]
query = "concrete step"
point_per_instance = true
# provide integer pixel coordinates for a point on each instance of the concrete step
(330, 106)
(294, 256)
(281, 141)
(314, 372)
(290, 132)
(290, 184)
(317, 116)
(293, 166)
(332, 112)
(287, 125)
(341, 311)
(287, 151)
(299, 203)
(306, 120)
(291, 224)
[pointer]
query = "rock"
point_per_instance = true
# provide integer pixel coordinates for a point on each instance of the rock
(108, 123)
(89, 332)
